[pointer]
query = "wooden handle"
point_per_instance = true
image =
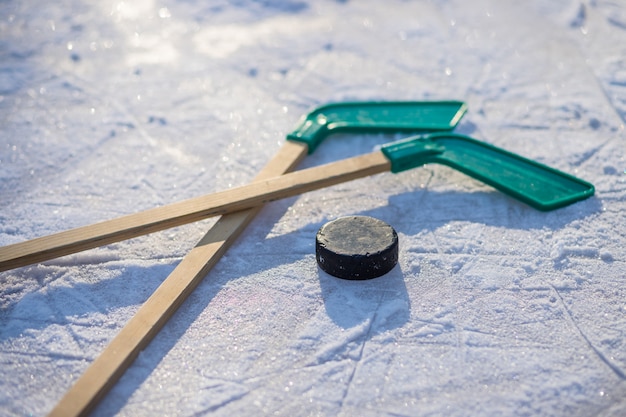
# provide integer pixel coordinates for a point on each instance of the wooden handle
(188, 211)
(109, 367)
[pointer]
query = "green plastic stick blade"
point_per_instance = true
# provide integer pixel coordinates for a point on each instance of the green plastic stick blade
(538, 185)
(377, 117)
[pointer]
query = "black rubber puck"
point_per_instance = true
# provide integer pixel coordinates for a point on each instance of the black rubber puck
(356, 247)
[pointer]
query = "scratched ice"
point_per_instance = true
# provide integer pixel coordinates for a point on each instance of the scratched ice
(111, 107)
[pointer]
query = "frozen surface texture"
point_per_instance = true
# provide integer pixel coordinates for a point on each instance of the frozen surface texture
(109, 107)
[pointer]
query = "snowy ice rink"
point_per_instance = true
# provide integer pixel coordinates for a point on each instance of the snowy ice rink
(494, 309)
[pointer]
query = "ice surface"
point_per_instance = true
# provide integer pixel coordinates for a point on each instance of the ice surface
(110, 107)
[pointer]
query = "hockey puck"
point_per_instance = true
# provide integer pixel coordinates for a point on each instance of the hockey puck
(356, 248)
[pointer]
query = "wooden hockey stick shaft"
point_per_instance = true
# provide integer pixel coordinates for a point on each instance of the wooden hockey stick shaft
(109, 367)
(188, 211)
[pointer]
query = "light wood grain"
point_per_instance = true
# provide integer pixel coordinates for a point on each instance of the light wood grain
(106, 370)
(188, 211)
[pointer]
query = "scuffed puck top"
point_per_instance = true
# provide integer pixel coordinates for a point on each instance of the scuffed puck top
(356, 247)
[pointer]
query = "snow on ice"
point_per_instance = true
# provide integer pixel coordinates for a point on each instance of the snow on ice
(111, 107)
